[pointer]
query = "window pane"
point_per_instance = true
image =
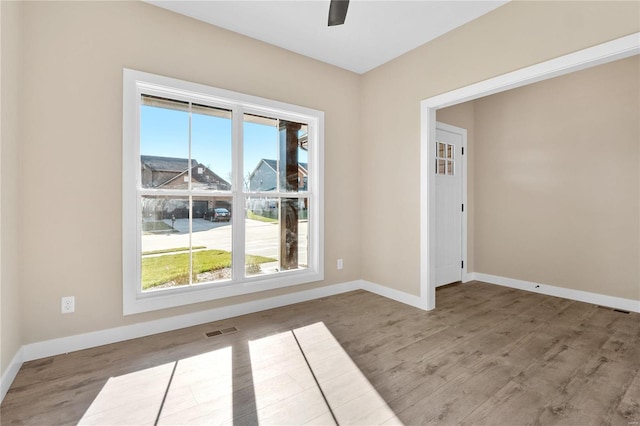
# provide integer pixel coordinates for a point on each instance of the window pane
(274, 245)
(211, 148)
(290, 212)
(293, 167)
(441, 148)
(450, 151)
(262, 233)
(450, 168)
(260, 153)
(165, 242)
(164, 143)
(441, 167)
(275, 154)
(303, 233)
(211, 239)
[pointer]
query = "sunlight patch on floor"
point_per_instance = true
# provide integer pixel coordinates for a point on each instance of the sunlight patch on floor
(352, 399)
(285, 390)
(201, 391)
(130, 399)
(301, 376)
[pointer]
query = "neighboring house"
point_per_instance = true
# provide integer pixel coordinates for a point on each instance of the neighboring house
(265, 176)
(172, 173)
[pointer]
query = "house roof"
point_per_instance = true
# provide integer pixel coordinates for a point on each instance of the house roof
(166, 164)
(274, 164)
(271, 163)
(180, 166)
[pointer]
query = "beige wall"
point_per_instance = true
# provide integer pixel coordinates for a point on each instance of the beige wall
(10, 306)
(556, 178)
(511, 37)
(72, 175)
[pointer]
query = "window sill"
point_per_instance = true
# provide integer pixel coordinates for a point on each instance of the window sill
(169, 298)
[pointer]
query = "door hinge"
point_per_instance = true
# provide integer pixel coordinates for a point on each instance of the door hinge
(463, 207)
(462, 264)
(463, 150)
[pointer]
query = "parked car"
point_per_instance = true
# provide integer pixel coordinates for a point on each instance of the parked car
(218, 214)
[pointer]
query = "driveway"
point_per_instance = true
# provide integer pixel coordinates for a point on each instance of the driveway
(261, 237)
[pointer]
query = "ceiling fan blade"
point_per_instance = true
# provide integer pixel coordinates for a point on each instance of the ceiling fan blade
(338, 12)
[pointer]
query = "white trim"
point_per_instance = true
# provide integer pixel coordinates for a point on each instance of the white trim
(471, 276)
(566, 293)
(610, 51)
(467, 277)
(92, 339)
(389, 293)
(118, 334)
(112, 335)
(621, 48)
(103, 337)
(11, 372)
(427, 205)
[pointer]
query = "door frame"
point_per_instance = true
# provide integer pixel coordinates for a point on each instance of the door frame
(463, 133)
(620, 48)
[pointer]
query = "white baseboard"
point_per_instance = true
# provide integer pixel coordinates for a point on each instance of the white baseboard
(77, 342)
(67, 344)
(103, 337)
(566, 293)
(398, 296)
(10, 374)
(118, 334)
(470, 276)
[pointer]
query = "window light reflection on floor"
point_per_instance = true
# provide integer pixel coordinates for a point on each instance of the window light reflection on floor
(304, 375)
(294, 377)
(133, 398)
(200, 391)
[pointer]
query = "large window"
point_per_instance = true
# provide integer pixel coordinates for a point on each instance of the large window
(222, 193)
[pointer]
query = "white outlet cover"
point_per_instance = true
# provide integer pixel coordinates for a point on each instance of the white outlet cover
(68, 304)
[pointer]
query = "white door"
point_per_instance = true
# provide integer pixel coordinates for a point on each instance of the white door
(449, 177)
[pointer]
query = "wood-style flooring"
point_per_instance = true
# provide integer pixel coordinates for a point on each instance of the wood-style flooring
(487, 355)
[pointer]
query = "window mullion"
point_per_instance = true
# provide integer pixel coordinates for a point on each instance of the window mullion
(189, 165)
(238, 230)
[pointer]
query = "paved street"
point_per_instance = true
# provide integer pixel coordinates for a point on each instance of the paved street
(261, 237)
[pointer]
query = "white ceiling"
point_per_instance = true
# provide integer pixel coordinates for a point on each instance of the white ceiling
(374, 32)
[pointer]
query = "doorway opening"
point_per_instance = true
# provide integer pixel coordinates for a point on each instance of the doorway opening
(603, 53)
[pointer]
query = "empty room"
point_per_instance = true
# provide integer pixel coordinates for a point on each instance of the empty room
(320, 212)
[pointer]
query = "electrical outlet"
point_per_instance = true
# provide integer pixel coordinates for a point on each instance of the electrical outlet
(68, 305)
(340, 264)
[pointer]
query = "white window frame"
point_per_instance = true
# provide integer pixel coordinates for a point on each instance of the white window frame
(135, 83)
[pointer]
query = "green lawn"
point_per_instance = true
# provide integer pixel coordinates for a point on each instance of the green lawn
(251, 215)
(159, 270)
(171, 250)
(155, 226)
